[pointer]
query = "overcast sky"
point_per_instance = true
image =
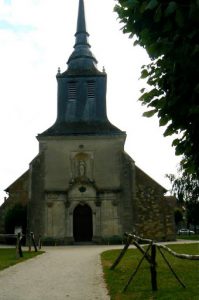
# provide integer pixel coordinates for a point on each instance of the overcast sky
(37, 37)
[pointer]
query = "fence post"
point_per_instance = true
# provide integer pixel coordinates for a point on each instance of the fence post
(39, 242)
(168, 264)
(153, 268)
(29, 242)
(136, 270)
(33, 241)
(17, 247)
(19, 252)
(118, 259)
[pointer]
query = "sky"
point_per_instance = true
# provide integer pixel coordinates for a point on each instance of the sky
(37, 37)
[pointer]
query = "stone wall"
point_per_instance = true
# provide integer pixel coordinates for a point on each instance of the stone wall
(154, 212)
(76, 170)
(66, 157)
(127, 202)
(36, 196)
(17, 193)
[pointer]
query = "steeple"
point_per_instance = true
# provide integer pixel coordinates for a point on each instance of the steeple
(82, 58)
(81, 103)
(81, 34)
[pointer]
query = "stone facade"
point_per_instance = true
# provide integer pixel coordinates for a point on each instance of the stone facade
(77, 171)
(95, 172)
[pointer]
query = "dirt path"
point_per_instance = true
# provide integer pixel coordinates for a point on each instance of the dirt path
(72, 272)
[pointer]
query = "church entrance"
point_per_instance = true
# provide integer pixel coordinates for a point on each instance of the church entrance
(82, 223)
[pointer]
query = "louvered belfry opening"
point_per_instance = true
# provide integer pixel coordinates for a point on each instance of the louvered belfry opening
(91, 90)
(91, 100)
(72, 91)
(71, 100)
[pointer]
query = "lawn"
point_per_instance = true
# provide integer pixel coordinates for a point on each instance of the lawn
(140, 287)
(193, 237)
(8, 257)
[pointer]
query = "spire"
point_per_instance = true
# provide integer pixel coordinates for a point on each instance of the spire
(82, 58)
(81, 34)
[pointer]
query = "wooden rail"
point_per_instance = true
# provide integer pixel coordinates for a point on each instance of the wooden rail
(19, 237)
(151, 258)
(178, 255)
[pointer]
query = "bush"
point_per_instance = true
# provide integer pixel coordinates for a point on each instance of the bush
(113, 240)
(16, 216)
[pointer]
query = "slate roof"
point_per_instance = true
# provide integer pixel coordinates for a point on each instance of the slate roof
(82, 128)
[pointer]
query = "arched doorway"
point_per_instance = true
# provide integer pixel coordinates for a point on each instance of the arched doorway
(82, 223)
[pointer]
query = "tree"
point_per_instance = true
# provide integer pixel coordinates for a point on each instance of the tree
(192, 208)
(185, 188)
(16, 216)
(169, 31)
(178, 216)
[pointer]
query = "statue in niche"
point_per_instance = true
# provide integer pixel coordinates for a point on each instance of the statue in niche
(82, 168)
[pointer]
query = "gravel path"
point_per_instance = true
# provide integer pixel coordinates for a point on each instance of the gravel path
(72, 272)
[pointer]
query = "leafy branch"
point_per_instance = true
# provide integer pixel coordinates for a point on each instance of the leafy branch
(169, 31)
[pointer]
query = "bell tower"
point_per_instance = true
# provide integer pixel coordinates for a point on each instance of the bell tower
(81, 103)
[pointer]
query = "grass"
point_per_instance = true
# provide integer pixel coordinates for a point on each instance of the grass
(140, 287)
(193, 237)
(8, 257)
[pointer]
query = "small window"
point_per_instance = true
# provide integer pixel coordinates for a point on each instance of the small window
(71, 100)
(72, 91)
(91, 90)
(90, 105)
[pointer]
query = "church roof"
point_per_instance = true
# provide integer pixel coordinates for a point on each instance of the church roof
(82, 128)
(20, 178)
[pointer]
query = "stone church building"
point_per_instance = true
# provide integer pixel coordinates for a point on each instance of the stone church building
(82, 186)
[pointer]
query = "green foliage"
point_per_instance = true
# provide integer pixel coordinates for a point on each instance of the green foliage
(49, 241)
(16, 216)
(178, 215)
(140, 287)
(169, 31)
(113, 240)
(193, 213)
(185, 187)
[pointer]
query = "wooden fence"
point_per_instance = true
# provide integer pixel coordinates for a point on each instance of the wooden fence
(18, 237)
(150, 255)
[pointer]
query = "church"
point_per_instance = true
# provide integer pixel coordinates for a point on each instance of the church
(82, 186)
